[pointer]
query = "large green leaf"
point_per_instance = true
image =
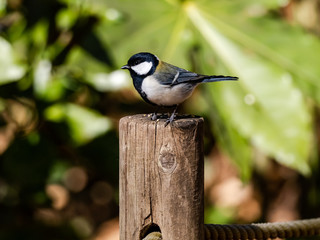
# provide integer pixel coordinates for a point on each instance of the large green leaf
(289, 47)
(265, 106)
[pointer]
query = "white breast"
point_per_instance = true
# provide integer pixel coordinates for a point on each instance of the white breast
(166, 95)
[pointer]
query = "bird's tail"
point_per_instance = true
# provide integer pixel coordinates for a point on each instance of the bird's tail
(218, 78)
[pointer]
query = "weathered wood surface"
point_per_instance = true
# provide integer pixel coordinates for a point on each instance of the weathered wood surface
(161, 177)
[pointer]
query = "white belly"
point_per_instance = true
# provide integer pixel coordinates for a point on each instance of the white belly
(166, 95)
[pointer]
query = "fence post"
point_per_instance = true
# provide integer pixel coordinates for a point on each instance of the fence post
(161, 178)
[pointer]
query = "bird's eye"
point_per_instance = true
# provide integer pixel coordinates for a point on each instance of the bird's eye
(137, 61)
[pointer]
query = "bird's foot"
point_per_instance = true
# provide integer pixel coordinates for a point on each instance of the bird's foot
(171, 119)
(157, 116)
(154, 116)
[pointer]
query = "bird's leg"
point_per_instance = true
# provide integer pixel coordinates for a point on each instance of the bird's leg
(173, 115)
(154, 115)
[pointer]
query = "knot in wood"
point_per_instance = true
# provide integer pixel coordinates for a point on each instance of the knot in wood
(167, 159)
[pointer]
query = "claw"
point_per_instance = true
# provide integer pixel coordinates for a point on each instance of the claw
(169, 120)
(154, 116)
(172, 117)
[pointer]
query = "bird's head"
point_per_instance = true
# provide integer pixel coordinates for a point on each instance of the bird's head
(142, 64)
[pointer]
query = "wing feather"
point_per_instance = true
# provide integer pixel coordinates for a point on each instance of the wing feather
(171, 75)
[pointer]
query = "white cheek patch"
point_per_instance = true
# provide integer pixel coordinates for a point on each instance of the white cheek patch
(142, 68)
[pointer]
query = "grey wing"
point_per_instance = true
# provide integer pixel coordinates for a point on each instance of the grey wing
(188, 77)
(172, 75)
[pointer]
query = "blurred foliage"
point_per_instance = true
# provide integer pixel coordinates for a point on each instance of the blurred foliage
(62, 94)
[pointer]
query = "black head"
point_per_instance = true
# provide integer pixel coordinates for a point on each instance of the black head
(142, 64)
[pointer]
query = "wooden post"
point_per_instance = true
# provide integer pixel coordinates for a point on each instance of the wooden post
(161, 178)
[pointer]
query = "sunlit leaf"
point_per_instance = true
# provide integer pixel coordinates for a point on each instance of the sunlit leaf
(113, 81)
(42, 77)
(9, 70)
(265, 109)
(3, 4)
(265, 105)
(47, 86)
(85, 124)
(66, 18)
(236, 145)
(277, 47)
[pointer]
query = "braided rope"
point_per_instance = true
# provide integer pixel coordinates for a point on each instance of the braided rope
(262, 231)
(258, 231)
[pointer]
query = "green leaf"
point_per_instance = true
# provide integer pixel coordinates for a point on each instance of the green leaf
(237, 146)
(9, 70)
(264, 106)
(85, 124)
(47, 86)
(113, 81)
(276, 47)
(266, 109)
(218, 215)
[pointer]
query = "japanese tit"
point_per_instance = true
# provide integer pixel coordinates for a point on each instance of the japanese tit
(162, 84)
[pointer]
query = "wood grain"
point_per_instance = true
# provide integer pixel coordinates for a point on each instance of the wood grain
(161, 177)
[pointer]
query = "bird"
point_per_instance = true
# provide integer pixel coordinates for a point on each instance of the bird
(165, 85)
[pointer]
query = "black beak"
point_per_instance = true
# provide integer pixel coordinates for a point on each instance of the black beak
(125, 67)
